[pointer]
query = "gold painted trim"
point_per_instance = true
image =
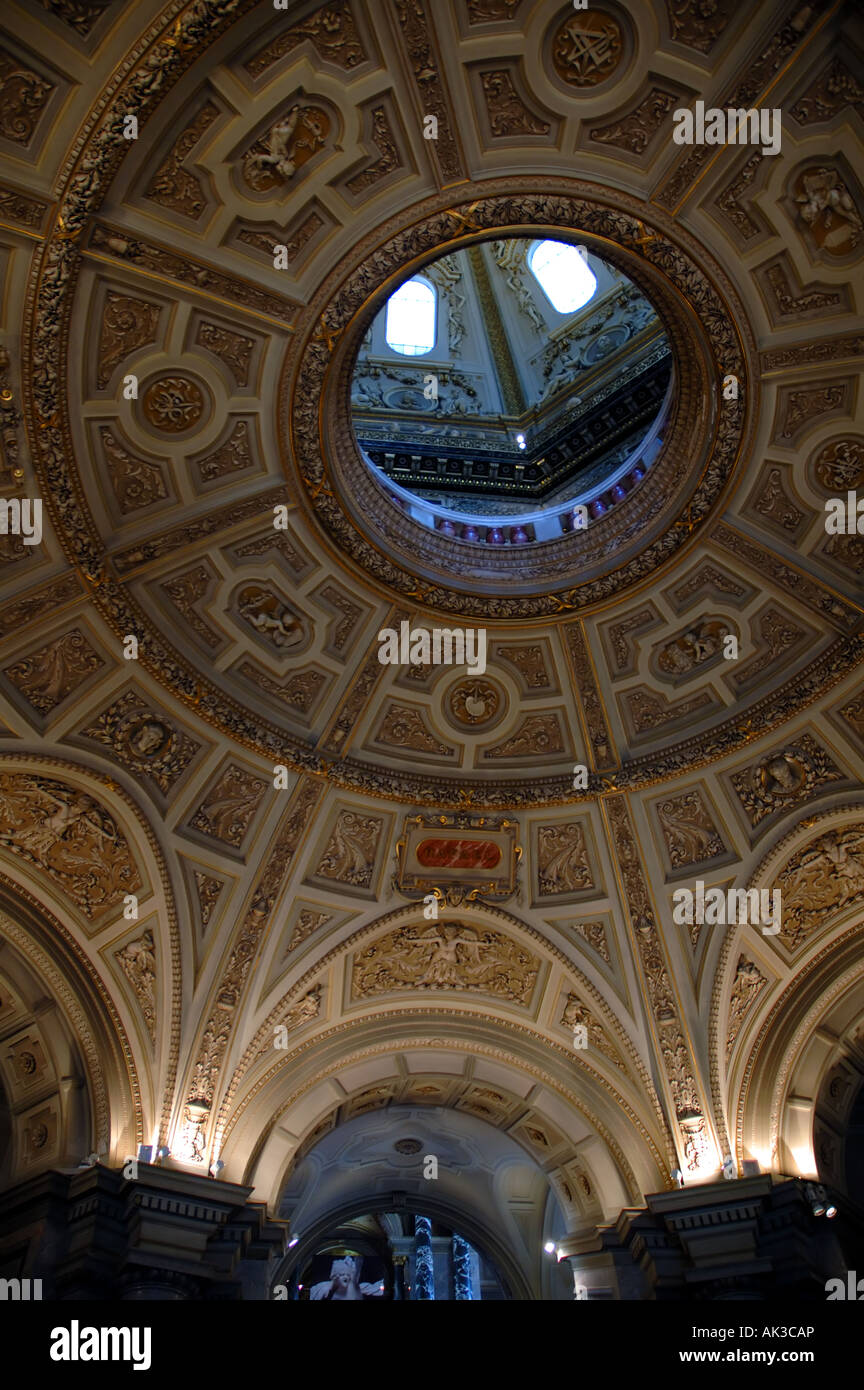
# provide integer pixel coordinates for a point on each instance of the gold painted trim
(648, 1011)
(778, 76)
(234, 305)
(778, 556)
(22, 231)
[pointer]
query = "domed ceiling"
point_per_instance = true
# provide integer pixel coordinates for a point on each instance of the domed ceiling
(203, 210)
(514, 405)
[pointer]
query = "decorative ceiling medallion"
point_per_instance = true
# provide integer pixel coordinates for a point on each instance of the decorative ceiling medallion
(782, 775)
(474, 703)
(145, 738)
(839, 465)
(702, 436)
(587, 48)
(174, 404)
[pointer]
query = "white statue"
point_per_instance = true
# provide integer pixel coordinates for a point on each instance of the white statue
(344, 1283)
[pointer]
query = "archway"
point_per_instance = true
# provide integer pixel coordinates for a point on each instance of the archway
(426, 1161)
(66, 1066)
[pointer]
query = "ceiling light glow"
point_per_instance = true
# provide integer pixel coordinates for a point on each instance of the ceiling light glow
(563, 274)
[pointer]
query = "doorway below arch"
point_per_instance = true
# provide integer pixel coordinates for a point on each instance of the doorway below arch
(433, 1203)
(395, 1256)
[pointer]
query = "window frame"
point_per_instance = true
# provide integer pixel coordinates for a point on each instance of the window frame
(427, 284)
(584, 259)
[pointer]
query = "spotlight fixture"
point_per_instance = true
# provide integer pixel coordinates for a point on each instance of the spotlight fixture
(549, 1247)
(216, 1168)
(729, 1168)
(818, 1198)
(677, 1177)
(292, 1242)
(520, 440)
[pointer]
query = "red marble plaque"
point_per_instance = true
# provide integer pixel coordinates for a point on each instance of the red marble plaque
(444, 852)
(458, 854)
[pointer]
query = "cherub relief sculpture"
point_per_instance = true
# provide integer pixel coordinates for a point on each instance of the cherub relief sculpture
(827, 208)
(278, 140)
(749, 981)
(447, 955)
(138, 962)
(695, 646)
(288, 143)
(445, 966)
(509, 256)
(269, 617)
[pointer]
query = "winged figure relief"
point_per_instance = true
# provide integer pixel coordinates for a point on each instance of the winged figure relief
(446, 956)
(70, 835)
(823, 878)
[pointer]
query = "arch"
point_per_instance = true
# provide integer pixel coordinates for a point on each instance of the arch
(479, 914)
(56, 1010)
(792, 1055)
(847, 1176)
(296, 1096)
(775, 1083)
(477, 1168)
(278, 1097)
(46, 803)
(794, 976)
(836, 1076)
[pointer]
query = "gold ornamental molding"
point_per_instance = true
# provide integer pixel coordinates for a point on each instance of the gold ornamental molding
(695, 1139)
(218, 1027)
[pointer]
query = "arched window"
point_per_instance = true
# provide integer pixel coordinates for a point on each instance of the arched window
(410, 325)
(563, 274)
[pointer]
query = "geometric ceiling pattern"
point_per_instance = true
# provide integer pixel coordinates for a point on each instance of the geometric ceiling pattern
(214, 796)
